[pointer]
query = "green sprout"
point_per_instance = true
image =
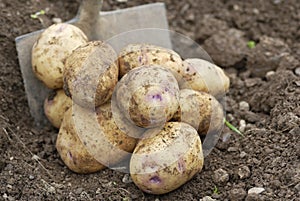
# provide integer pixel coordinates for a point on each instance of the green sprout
(37, 14)
(216, 190)
(251, 44)
(232, 127)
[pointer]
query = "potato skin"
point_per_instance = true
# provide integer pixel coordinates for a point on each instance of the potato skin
(50, 51)
(165, 159)
(91, 73)
(72, 150)
(93, 139)
(136, 55)
(200, 110)
(55, 106)
(148, 96)
(201, 75)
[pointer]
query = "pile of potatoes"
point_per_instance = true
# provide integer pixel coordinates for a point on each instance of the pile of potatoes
(144, 103)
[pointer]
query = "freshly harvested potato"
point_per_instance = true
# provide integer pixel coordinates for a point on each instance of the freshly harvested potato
(165, 159)
(55, 106)
(201, 75)
(98, 139)
(201, 110)
(50, 51)
(91, 73)
(72, 149)
(136, 55)
(148, 96)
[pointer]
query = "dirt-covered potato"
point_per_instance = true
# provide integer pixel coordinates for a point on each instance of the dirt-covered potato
(148, 95)
(201, 110)
(165, 159)
(72, 149)
(98, 138)
(91, 73)
(55, 106)
(50, 51)
(136, 55)
(201, 75)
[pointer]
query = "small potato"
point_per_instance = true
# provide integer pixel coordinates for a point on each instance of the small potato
(50, 51)
(201, 75)
(148, 95)
(98, 139)
(201, 110)
(136, 55)
(72, 150)
(91, 73)
(55, 106)
(165, 159)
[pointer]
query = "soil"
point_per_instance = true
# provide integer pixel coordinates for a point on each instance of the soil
(264, 105)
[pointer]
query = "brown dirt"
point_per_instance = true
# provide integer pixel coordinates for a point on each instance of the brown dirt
(268, 156)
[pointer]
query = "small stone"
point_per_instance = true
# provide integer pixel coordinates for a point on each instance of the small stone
(255, 11)
(4, 196)
(56, 20)
(244, 172)
(9, 186)
(243, 154)
(232, 149)
(242, 127)
(122, 1)
(256, 190)
(78, 191)
(244, 106)
(220, 176)
(31, 177)
(297, 71)
(207, 198)
(269, 74)
(157, 199)
(237, 194)
(127, 179)
(297, 83)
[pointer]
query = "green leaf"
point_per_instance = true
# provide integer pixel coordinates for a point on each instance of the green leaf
(251, 44)
(232, 127)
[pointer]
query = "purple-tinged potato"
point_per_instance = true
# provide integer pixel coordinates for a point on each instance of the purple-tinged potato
(201, 75)
(55, 106)
(72, 150)
(148, 96)
(165, 159)
(50, 51)
(136, 55)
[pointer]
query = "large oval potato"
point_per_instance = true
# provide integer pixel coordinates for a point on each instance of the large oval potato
(201, 75)
(163, 160)
(148, 95)
(98, 139)
(91, 73)
(55, 106)
(50, 51)
(136, 55)
(201, 110)
(72, 150)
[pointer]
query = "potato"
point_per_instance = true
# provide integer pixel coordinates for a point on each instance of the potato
(99, 140)
(201, 75)
(55, 106)
(165, 159)
(136, 55)
(91, 73)
(148, 96)
(50, 51)
(72, 150)
(201, 110)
